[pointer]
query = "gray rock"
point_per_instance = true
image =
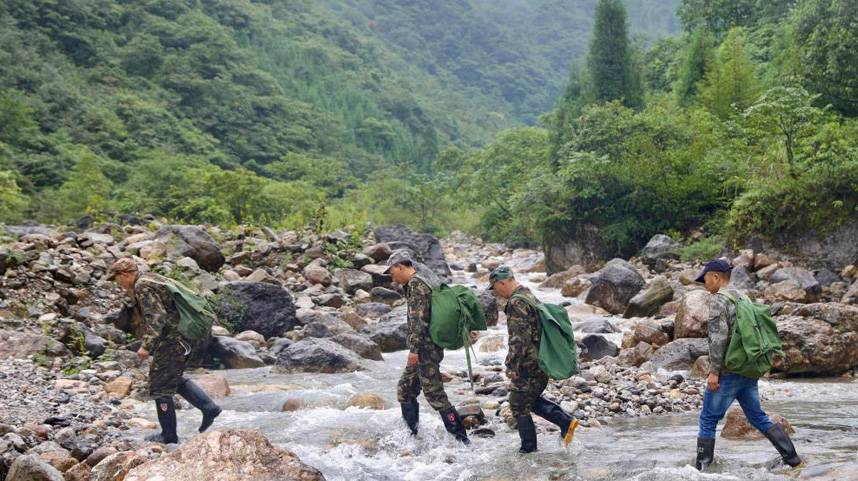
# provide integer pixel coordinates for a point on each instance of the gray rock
(257, 306)
(321, 324)
(803, 277)
(317, 355)
(659, 251)
(352, 280)
(647, 302)
(391, 335)
(426, 246)
(194, 242)
(596, 347)
(586, 248)
(32, 468)
(235, 354)
(279, 344)
(382, 294)
(678, 355)
(825, 277)
(490, 306)
(595, 326)
(614, 286)
(361, 344)
(741, 279)
(373, 310)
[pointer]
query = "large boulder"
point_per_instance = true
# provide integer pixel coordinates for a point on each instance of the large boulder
(228, 455)
(595, 326)
(659, 251)
(391, 336)
(830, 248)
(426, 246)
(352, 280)
(322, 324)
(648, 301)
(32, 468)
(257, 306)
(650, 333)
(737, 427)
(194, 242)
(692, 316)
(798, 280)
(317, 355)
(819, 339)
(614, 286)
(235, 354)
(362, 345)
(586, 248)
(678, 355)
(596, 347)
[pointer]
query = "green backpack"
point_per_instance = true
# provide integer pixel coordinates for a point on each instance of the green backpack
(196, 316)
(754, 341)
(558, 353)
(456, 312)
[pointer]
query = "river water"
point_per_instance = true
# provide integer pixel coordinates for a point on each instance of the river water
(374, 445)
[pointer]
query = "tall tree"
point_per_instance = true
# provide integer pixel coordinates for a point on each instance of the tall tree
(611, 61)
(698, 57)
(730, 86)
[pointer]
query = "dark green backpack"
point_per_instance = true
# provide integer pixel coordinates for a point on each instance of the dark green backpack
(196, 316)
(456, 312)
(558, 353)
(754, 341)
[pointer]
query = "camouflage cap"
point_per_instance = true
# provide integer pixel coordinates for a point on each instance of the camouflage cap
(126, 264)
(499, 274)
(399, 256)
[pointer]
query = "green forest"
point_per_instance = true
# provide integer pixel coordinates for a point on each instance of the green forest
(517, 120)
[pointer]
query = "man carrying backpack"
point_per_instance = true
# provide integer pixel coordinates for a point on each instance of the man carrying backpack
(724, 386)
(423, 371)
(522, 362)
(155, 319)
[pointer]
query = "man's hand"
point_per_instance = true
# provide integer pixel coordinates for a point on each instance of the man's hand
(512, 375)
(712, 382)
(413, 358)
(142, 354)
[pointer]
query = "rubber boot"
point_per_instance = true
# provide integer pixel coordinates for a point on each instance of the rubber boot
(553, 413)
(167, 419)
(705, 454)
(527, 433)
(453, 424)
(198, 398)
(411, 415)
(781, 441)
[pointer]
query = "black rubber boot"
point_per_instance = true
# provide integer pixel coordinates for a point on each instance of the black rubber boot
(198, 398)
(781, 441)
(705, 454)
(527, 433)
(411, 415)
(453, 424)
(553, 413)
(167, 419)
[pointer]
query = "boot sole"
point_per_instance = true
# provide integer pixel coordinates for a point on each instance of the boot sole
(570, 433)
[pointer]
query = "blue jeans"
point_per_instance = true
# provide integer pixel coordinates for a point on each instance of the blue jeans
(732, 387)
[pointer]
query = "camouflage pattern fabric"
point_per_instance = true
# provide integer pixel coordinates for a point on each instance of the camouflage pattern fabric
(426, 375)
(525, 333)
(525, 390)
(722, 316)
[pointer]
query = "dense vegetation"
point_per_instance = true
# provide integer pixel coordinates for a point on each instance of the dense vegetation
(520, 120)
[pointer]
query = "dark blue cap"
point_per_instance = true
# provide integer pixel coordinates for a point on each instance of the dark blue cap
(718, 265)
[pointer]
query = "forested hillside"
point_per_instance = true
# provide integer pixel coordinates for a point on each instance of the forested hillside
(266, 110)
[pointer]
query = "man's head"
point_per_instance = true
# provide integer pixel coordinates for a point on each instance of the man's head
(124, 272)
(401, 266)
(715, 275)
(503, 282)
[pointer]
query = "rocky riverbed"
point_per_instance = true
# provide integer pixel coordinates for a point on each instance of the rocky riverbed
(312, 327)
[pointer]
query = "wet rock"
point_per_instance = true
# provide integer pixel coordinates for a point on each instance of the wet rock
(491, 344)
(647, 302)
(390, 335)
(426, 246)
(597, 347)
(257, 306)
(737, 427)
(595, 326)
(692, 316)
(317, 355)
(352, 280)
(193, 242)
(471, 413)
(367, 400)
(678, 355)
(659, 252)
(235, 354)
(362, 345)
(20, 345)
(614, 286)
(831, 472)
(33, 468)
(229, 455)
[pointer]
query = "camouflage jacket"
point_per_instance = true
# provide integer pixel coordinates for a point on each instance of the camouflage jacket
(154, 310)
(418, 293)
(722, 316)
(525, 332)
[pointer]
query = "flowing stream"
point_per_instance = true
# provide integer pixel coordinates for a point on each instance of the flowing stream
(373, 445)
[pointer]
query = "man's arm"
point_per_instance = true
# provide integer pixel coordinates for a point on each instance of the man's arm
(518, 327)
(719, 333)
(419, 314)
(153, 311)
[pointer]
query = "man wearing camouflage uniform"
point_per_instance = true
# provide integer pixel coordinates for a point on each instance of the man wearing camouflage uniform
(722, 386)
(522, 362)
(155, 321)
(423, 371)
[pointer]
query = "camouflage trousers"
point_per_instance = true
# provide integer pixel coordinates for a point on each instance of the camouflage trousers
(425, 376)
(525, 390)
(169, 358)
